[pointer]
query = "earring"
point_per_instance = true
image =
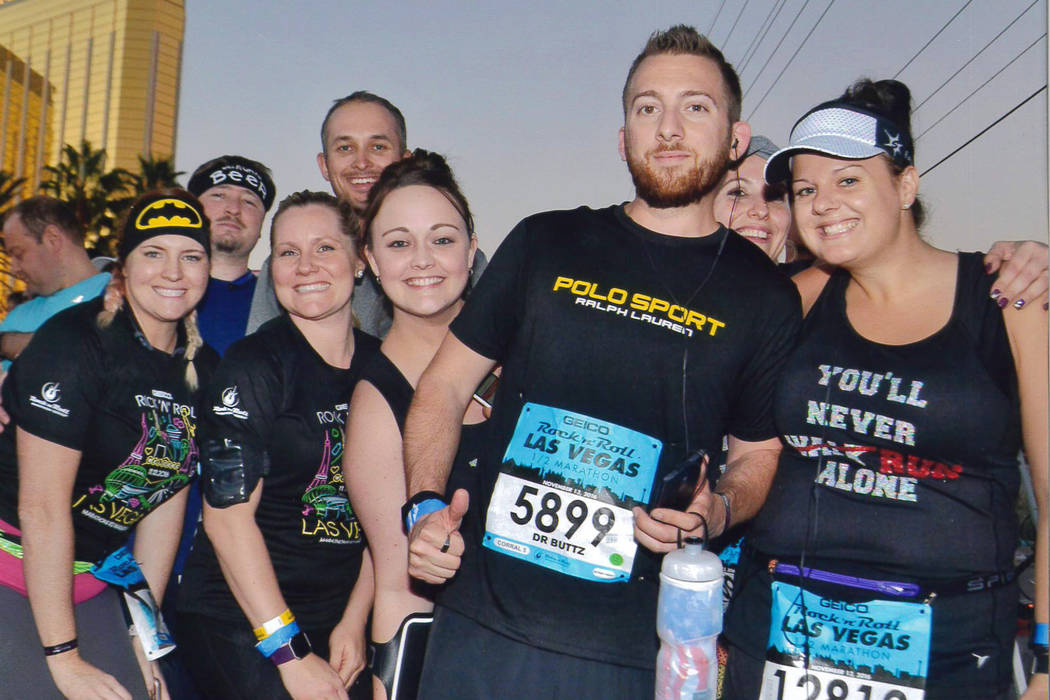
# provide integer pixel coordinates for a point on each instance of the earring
(359, 274)
(907, 206)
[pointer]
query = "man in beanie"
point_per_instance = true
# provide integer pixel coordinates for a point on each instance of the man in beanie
(236, 193)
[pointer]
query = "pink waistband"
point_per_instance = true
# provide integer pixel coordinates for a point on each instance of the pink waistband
(12, 575)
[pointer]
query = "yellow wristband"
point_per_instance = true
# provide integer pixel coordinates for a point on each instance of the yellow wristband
(270, 626)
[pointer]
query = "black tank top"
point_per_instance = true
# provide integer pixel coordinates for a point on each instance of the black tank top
(900, 459)
(391, 384)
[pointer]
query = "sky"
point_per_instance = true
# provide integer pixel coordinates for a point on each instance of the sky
(524, 98)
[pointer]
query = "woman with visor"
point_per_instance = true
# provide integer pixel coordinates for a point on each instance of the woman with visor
(882, 562)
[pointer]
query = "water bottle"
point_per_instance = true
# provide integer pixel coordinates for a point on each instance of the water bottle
(689, 620)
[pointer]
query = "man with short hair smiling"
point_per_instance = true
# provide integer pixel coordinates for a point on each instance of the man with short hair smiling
(45, 247)
(361, 134)
(236, 193)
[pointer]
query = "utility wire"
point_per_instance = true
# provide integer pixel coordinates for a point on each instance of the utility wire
(984, 131)
(752, 48)
(776, 48)
(715, 20)
(932, 38)
(783, 70)
(974, 57)
(979, 87)
(725, 42)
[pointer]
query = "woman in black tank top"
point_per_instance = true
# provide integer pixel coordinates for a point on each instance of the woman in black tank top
(882, 560)
(419, 242)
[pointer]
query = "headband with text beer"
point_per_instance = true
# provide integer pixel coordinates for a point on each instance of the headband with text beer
(228, 171)
(158, 214)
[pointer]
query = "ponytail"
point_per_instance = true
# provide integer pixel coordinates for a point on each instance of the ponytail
(194, 341)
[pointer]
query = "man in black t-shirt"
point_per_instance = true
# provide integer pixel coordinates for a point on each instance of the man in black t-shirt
(630, 338)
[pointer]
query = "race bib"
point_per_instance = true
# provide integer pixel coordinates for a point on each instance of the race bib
(565, 491)
(870, 650)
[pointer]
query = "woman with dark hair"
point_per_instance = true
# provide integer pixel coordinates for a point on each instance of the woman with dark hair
(276, 595)
(103, 400)
(418, 239)
(882, 562)
(745, 203)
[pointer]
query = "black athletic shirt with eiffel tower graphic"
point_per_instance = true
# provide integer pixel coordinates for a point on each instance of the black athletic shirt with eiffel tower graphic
(274, 392)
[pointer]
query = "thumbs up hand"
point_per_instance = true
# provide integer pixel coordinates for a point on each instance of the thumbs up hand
(435, 545)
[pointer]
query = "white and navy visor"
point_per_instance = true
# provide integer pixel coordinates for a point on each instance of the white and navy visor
(842, 131)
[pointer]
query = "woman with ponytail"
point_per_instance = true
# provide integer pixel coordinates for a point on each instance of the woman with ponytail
(882, 563)
(278, 586)
(103, 410)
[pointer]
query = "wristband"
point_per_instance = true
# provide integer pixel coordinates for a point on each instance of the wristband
(278, 639)
(729, 511)
(61, 648)
(422, 503)
(270, 626)
(1039, 634)
(1040, 665)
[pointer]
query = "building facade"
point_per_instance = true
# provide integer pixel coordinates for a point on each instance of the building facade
(104, 71)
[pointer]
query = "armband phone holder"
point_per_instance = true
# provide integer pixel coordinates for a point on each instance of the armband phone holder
(398, 663)
(231, 470)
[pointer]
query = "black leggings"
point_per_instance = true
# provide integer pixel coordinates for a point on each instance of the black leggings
(222, 659)
(103, 637)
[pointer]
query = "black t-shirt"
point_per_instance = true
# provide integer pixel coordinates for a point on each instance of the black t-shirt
(601, 325)
(273, 392)
(123, 404)
(910, 446)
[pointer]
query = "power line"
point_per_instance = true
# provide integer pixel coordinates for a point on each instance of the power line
(974, 57)
(932, 38)
(752, 48)
(715, 20)
(776, 48)
(725, 42)
(788, 63)
(984, 130)
(979, 87)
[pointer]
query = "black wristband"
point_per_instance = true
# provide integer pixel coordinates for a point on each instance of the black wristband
(61, 648)
(418, 498)
(1040, 665)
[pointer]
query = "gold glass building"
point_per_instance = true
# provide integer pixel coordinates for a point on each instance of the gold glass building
(105, 71)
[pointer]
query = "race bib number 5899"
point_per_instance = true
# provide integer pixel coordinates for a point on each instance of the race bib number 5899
(564, 495)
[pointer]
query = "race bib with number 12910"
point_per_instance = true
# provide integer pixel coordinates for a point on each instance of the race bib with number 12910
(565, 491)
(821, 647)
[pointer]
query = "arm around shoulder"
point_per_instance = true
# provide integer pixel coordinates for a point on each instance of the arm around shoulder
(1028, 341)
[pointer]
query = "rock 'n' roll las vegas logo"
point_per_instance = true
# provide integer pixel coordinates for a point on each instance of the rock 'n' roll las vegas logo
(168, 213)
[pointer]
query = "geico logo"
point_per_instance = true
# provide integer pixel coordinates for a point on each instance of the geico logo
(639, 302)
(586, 425)
(839, 605)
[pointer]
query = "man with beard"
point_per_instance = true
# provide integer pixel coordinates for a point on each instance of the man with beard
(632, 339)
(236, 193)
(361, 134)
